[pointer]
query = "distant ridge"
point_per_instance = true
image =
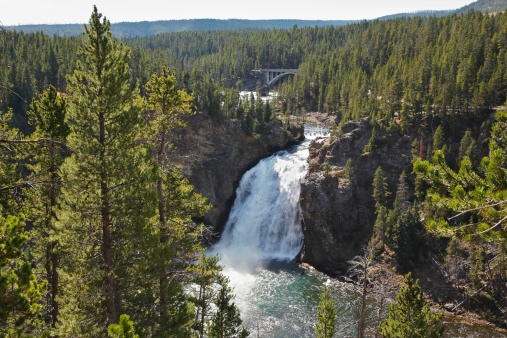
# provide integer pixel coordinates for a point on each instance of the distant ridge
(485, 6)
(144, 28)
(420, 14)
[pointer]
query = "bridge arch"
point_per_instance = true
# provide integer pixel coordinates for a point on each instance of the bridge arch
(273, 75)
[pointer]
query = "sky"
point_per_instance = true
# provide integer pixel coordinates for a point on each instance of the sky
(20, 12)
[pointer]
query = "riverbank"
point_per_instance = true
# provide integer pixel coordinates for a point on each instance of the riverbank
(338, 217)
(458, 321)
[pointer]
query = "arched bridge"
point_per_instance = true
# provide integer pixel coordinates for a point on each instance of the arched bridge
(273, 75)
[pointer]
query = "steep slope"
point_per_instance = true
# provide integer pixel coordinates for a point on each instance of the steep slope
(214, 156)
(338, 213)
(485, 6)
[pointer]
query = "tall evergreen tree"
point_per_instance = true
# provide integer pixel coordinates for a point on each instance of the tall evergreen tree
(380, 192)
(168, 106)
(411, 315)
(106, 201)
(48, 116)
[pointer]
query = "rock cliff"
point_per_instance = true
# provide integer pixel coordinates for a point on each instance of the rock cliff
(215, 155)
(337, 212)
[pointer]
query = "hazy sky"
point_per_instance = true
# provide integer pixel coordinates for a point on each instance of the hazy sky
(15, 12)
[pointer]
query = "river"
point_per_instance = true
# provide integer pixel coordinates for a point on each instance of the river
(278, 298)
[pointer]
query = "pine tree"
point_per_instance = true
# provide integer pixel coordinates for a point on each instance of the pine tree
(48, 116)
(380, 192)
(469, 193)
(226, 320)
(19, 290)
(464, 145)
(411, 315)
(106, 201)
(326, 316)
(371, 143)
(124, 329)
(168, 106)
(349, 170)
(438, 139)
(207, 273)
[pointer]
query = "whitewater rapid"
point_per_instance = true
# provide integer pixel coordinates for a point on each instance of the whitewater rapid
(259, 243)
(264, 222)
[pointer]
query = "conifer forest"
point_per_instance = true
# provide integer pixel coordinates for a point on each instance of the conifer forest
(103, 234)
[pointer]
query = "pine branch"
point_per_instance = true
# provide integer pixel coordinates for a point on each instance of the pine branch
(479, 208)
(31, 184)
(38, 141)
(494, 226)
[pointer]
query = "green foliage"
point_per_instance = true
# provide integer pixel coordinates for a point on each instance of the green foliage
(170, 105)
(349, 170)
(327, 168)
(371, 143)
(411, 316)
(19, 290)
(380, 228)
(334, 131)
(226, 320)
(401, 228)
(466, 147)
(469, 193)
(207, 273)
(380, 192)
(326, 316)
(406, 239)
(48, 116)
(438, 139)
(124, 329)
(107, 201)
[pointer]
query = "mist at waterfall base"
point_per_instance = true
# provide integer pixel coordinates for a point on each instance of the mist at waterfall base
(262, 237)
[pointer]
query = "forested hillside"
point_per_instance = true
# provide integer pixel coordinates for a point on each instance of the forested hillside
(379, 67)
(96, 223)
(83, 166)
(485, 6)
(145, 28)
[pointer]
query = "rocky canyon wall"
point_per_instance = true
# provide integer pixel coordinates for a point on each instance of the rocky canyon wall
(214, 156)
(338, 213)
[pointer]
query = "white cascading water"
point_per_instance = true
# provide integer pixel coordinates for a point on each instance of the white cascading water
(264, 222)
(260, 240)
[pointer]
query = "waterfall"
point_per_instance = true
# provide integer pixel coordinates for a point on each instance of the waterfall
(264, 223)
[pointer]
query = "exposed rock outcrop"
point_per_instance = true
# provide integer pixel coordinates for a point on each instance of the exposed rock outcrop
(338, 212)
(214, 156)
(323, 119)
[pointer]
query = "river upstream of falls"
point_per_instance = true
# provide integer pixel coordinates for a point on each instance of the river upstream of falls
(263, 235)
